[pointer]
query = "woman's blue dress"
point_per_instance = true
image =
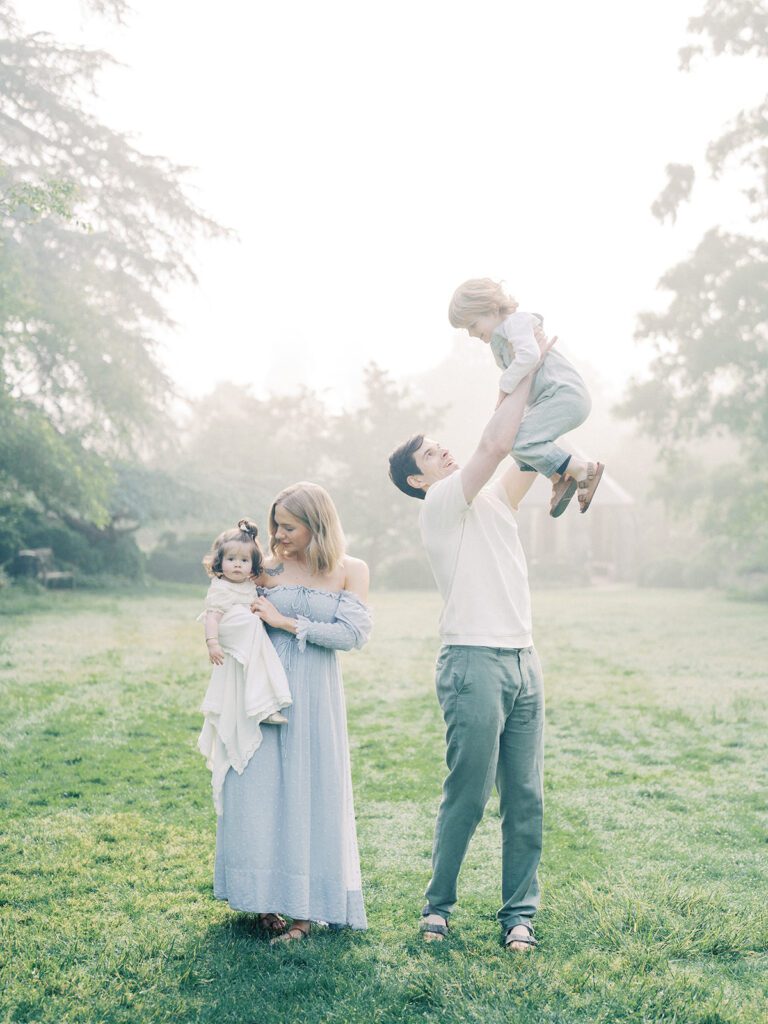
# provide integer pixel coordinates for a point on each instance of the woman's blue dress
(286, 841)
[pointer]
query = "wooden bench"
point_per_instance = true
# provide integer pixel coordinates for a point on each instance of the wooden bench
(37, 563)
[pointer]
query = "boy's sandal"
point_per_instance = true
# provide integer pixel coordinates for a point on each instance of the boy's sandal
(588, 487)
(525, 940)
(562, 492)
(273, 923)
(433, 932)
(296, 933)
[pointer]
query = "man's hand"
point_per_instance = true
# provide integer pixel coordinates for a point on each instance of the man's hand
(544, 344)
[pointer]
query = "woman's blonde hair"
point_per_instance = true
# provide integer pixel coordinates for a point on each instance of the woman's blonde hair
(313, 506)
(476, 297)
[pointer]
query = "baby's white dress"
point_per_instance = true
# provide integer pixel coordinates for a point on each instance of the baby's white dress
(250, 686)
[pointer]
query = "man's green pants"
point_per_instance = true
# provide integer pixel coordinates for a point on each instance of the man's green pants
(493, 705)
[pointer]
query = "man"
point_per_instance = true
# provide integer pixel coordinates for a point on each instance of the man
(489, 680)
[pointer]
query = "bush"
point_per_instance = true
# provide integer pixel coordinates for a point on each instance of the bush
(663, 572)
(98, 554)
(179, 559)
(409, 572)
(557, 572)
(14, 517)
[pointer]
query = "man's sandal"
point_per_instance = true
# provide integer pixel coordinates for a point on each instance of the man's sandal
(433, 932)
(528, 940)
(296, 933)
(588, 486)
(562, 492)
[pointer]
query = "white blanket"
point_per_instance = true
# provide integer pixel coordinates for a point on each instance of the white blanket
(246, 689)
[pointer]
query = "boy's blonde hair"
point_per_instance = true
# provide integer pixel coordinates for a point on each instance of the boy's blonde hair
(476, 297)
(313, 506)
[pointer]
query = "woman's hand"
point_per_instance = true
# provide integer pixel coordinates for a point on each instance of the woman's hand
(267, 612)
(215, 653)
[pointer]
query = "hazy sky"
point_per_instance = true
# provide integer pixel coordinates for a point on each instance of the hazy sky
(370, 156)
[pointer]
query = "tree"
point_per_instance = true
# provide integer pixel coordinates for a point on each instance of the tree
(92, 233)
(709, 377)
(378, 519)
(239, 450)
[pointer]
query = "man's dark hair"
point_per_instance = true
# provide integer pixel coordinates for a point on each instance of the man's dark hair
(402, 465)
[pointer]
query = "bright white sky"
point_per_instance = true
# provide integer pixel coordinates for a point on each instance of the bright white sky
(372, 155)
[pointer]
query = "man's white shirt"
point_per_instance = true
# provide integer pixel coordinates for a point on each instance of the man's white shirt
(478, 563)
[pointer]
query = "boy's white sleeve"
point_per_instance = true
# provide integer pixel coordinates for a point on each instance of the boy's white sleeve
(518, 330)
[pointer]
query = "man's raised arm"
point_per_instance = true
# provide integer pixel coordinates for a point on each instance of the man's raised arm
(496, 440)
(500, 431)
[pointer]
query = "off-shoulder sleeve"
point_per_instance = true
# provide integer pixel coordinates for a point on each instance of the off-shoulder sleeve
(351, 626)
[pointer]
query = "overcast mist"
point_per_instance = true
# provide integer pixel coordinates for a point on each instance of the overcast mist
(370, 157)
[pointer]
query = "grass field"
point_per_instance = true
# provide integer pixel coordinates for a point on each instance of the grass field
(655, 869)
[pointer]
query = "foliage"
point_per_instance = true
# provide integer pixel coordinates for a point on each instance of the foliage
(710, 374)
(92, 233)
(240, 451)
(709, 377)
(179, 559)
(376, 516)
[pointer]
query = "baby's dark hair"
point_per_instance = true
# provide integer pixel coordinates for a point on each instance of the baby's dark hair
(245, 532)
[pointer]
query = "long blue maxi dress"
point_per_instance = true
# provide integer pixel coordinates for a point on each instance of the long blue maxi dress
(286, 841)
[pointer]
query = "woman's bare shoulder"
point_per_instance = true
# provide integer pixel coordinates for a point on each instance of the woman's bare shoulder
(356, 576)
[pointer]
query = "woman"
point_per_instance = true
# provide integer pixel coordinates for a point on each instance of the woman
(286, 841)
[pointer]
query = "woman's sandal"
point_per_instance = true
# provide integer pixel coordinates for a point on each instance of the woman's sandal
(588, 486)
(562, 492)
(528, 940)
(296, 933)
(433, 932)
(275, 924)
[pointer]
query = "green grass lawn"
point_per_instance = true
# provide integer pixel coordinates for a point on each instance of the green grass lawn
(655, 868)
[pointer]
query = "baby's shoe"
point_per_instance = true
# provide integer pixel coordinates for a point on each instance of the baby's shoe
(275, 719)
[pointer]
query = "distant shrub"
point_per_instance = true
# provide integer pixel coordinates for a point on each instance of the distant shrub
(409, 572)
(696, 572)
(99, 554)
(179, 559)
(663, 572)
(556, 572)
(750, 586)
